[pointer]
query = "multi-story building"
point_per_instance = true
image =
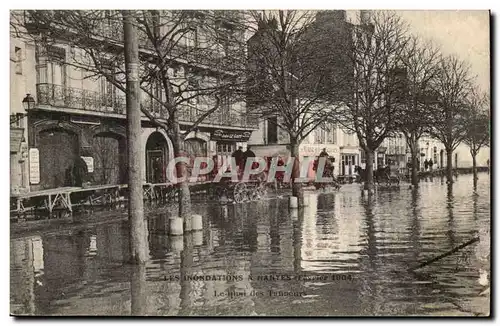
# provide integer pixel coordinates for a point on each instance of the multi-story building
(22, 82)
(79, 115)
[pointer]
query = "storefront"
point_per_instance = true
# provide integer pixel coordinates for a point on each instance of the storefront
(227, 142)
(75, 149)
(349, 159)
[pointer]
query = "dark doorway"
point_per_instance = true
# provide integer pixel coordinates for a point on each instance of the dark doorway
(156, 158)
(58, 150)
(110, 159)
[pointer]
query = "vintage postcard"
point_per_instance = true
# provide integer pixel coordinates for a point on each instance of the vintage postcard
(250, 163)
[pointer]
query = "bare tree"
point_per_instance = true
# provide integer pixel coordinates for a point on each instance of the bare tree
(182, 76)
(290, 75)
(451, 87)
(477, 127)
(374, 49)
(420, 62)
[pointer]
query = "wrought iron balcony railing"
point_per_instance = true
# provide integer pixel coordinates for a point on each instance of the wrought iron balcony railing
(78, 98)
(81, 99)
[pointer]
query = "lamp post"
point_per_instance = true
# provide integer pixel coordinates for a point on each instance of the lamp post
(28, 102)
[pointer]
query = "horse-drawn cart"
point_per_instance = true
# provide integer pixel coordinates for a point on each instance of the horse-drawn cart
(254, 188)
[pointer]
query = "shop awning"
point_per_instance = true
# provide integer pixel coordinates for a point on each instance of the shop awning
(16, 137)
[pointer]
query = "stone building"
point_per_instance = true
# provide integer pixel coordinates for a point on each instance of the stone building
(79, 116)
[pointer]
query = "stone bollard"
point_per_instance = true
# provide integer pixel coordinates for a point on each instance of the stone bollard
(198, 238)
(293, 202)
(177, 244)
(176, 226)
(294, 214)
(196, 222)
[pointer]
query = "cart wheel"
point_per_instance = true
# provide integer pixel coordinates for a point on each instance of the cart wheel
(240, 192)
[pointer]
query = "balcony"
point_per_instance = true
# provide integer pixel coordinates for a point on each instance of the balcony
(80, 99)
(95, 102)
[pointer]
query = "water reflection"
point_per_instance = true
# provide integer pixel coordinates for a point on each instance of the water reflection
(373, 239)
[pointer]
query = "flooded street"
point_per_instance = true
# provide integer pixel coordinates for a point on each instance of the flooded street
(345, 254)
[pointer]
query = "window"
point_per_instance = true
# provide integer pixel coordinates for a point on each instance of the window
(191, 37)
(19, 61)
(272, 130)
(332, 136)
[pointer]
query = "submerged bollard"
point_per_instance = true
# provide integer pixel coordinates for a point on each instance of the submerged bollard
(196, 222)
(293, 202)
(176, 227)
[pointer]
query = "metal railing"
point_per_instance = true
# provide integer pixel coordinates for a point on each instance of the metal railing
(87, 100)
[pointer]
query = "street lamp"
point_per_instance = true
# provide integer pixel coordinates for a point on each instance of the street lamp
(28, 102)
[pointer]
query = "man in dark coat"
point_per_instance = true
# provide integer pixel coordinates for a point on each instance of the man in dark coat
(323, 153)
(80, 172)
(238, 156)
(246, 155)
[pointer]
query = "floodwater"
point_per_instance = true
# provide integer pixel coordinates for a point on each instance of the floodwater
(345, 254)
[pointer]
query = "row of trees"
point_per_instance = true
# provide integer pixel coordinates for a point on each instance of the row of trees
(373, 79)
(310, 69)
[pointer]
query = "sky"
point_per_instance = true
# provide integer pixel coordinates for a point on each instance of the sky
(462, 33)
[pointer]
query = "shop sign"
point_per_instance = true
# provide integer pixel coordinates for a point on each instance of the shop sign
(89, 160)
(230, 135)
(34, 164)
(315, 150)
(16, 137)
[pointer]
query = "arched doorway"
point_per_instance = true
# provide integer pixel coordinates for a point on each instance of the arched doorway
(110, 158)
(58, 150)
(156, 158)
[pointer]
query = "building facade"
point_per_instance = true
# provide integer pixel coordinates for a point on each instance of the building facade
(78, 116)
(22, 82)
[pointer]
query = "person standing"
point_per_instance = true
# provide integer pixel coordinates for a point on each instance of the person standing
(426, 165)
(430, 164)
(238, 157)
(246, 155)
(323, 153)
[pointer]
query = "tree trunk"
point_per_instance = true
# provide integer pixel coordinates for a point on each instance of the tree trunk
(369, 170)
(138, 291)
(449, 165)
(138, 231)
(181, 169)
(474, 165)
(297, 190)
(414, 162)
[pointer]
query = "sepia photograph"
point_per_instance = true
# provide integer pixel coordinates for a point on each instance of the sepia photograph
(251, 163)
